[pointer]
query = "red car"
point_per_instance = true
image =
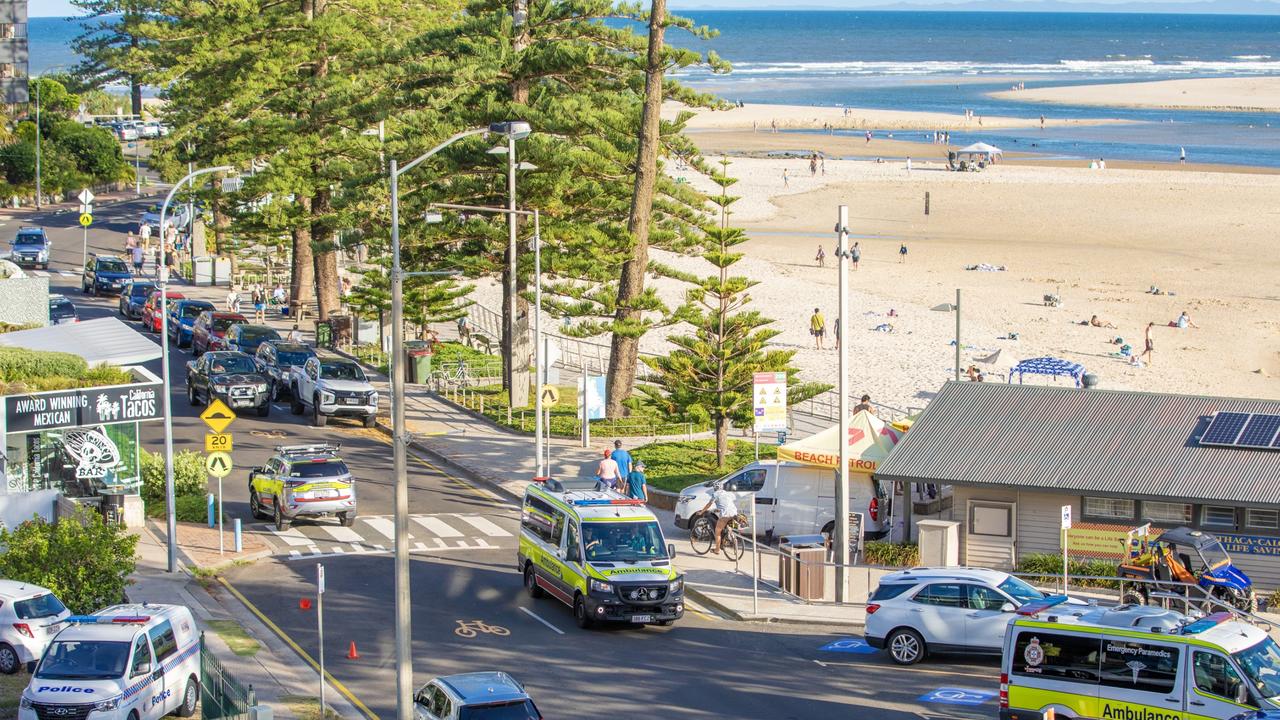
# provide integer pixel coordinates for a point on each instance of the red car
(210, 328)
(151, 320)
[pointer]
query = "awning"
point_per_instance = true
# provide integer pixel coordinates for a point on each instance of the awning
(870, 441)
(104, 340)
(980, 149)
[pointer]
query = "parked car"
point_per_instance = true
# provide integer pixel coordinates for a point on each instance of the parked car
(333, 387)
(29, 618)
(944, 610)
(62, 311)
(151, 320)
(177, 216)
(277, 359)
(210, 328)
(133, 296)
(152, 129)
(31, 246)
(125, 131)
(246, 338)
(182, 317)
(232, 377)
(477, 695)
(105, 274)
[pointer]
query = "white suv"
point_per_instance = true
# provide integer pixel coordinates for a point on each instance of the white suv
(959, 610)
(29, 618)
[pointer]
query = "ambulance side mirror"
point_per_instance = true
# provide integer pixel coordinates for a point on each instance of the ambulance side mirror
(1242, 694)
(1007, 607)
(671, 550)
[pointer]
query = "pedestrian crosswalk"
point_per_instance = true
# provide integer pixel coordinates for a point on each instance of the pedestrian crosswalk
(376, 534)
(51, 273)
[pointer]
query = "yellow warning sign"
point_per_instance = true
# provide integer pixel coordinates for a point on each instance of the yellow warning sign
(86, 219)
(217, 416)
(550, 395)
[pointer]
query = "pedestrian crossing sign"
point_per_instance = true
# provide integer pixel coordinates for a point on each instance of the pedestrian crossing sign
(218, 464)
(550, 396)
(86, 219)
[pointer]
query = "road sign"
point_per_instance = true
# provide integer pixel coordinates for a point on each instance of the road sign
(217, 416)
(86, 219)
(550, 396)
(217, 442)
(770, 406)
(218, 464)
(1066, 517)
(85, 196)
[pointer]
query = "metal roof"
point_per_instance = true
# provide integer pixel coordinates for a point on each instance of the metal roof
(1105, 442)
(102, 340)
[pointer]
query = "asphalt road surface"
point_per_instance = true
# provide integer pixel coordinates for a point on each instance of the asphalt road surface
(463, 571)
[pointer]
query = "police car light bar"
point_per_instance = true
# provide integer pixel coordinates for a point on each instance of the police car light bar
(1207, 622)
(105, 619)
(1032, 609)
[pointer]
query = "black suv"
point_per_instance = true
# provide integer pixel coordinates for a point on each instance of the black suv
(230, 376)
(276, 360)
(31, 247)
(105, 274)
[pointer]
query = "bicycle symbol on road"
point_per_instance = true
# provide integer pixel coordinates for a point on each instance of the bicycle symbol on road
(475, 627)
(269, 433)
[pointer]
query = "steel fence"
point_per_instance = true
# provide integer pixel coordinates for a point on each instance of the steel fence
(221, 695)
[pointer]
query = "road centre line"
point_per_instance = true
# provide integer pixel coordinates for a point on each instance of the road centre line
(469, 486)
(534, 615)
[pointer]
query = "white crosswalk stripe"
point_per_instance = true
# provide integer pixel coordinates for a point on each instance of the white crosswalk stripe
(383, 526)
(340, 533)
(376, 534)
(437, 526)
(293, 536)
(484, 526)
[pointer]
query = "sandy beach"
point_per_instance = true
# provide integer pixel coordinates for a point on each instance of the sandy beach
(1243, 94)
(791, 117)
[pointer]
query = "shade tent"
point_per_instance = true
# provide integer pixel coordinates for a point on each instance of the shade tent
(870, 441)
(981, 149)
(1054, 367)
(103, 340)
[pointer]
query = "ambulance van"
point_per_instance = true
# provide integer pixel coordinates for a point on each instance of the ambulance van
(1134, 662)
(600, 553)
(127, 662)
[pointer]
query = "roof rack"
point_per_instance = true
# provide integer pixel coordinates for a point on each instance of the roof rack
(316, 449)
(109, 619)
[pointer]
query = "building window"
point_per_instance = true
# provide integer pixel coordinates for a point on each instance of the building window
(991, 520)
(8, 31)
(1262, 519)
(1167, 513)
(1108, 508)
(1218, 516)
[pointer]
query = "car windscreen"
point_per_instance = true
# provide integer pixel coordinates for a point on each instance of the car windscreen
(231, 364)
(516, 710)
(111, 265)
(61, 309)
(888, 591)
(292, 358)
(341, 371)
(193, 311)
(29, 240)
(142, 291)
(330, 468)
(1262, 664)
(258, 334)
(1020, 591)
(224, 323)
(89, 660)
(40, 606)
(622, 541)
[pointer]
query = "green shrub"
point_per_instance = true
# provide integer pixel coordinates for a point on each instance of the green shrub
(189, 508)
(189, 477)
(21, 364)
(677, 465)
(83, 560)
(1046, 569)
(887, 554)
(453, 352)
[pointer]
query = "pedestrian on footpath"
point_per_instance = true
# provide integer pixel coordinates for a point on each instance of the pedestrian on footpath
(623, 459)
(136, 252)
(144, 230)
(233, 300)
(607, 473)
(295, 335)
(637, 484)
(259, 304)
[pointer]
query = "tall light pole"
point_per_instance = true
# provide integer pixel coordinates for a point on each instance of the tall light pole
(842, 478)
(163, 277)
(39, 187)
(400, 439)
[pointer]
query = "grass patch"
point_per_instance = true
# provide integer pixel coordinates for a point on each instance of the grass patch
(11, 687)
(240, 642)
(677, 465)
(306, 708)
(645, 420)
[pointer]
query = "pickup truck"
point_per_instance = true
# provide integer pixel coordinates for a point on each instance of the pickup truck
(332, 387)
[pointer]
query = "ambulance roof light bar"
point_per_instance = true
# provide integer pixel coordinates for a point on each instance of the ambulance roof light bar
(1207, 622)
(1036, 607)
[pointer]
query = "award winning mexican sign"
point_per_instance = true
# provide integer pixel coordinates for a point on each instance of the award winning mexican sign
(83, 407)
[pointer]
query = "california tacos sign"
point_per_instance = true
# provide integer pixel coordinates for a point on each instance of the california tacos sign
(83, 407)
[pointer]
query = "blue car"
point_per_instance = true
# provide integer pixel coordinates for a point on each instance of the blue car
(182, 316)
(105, 274)
(31, 247)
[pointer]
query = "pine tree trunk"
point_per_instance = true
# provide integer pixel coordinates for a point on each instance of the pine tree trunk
(303, 276)
(135, 95)
(324, 246)
(722, 441)
(221, 224)
(625, 346)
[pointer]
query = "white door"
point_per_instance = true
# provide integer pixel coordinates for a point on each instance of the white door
(985, 622)
(938, 613)
(150, 700)
(746, 487)
(797, 505)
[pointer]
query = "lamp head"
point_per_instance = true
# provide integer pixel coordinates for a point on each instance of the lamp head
(514, 129)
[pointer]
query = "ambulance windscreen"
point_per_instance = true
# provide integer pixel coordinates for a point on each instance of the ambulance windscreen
(622, 541)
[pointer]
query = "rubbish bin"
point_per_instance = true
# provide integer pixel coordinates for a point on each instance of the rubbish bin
(324, 334)
(800, 566)
(417, 369)
(113, 507)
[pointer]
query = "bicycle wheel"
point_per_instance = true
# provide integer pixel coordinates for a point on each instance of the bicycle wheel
(700, 541)
(732, 545)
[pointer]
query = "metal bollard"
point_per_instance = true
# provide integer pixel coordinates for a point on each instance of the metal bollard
(210, 506)
(239, 546)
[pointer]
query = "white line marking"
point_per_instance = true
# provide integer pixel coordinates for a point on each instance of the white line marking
(293, 536)
(483, 525)
(419, 547)
(533, 615)
(383, 526)
(436, 526)
(338, 552)
(341, 534)
(358, 548)
(294, 554)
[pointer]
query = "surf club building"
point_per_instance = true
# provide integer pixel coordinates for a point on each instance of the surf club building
(1014, 455)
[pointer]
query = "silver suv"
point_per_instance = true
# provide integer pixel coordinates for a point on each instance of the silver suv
(303, 481)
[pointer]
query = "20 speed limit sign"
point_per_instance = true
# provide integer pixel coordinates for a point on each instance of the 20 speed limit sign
(217, 442)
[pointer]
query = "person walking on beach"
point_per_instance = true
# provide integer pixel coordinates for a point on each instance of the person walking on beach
(821, 257)
(813, 164)
(786, 182)
(857, 255)
(868, 137)
(1150, 344)
(902, 253)
(817, 327)
(1182, 155)
(1042, 122)
(822, 164)
(908, 164)
(774, 125)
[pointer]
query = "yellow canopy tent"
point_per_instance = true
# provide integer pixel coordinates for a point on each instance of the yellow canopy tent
(870, 440)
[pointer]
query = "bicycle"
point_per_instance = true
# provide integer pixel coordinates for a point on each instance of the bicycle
(701, 537)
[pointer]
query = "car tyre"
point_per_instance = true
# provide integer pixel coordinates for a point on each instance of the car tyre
(255, 506)
(190, 697)
(580, 615)
(8, 659)
(1133, 597)
(264, 409)
(295, 403)
(347, 518)
(191, 395)
(531, 582)
(666, 623)
(370, 420)
(282, 522)
(906, 647)
(318, 418)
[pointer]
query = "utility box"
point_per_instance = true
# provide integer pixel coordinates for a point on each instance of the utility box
(222, 272)
(801, 569)
(202, 271)
(939, 543)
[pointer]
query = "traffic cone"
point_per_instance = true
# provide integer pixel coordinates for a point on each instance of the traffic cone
(352, 654)
(304, 603)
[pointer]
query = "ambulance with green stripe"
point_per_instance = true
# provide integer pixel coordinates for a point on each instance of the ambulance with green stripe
(1134, 662)
(600, 553)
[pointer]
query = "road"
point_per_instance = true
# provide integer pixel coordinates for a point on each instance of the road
(464, 542)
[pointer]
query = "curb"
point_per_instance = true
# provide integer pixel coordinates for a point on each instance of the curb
(692, 591)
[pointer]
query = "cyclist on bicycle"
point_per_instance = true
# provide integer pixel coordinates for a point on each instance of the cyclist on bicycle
(726, 509)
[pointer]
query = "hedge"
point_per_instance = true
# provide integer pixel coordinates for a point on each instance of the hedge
(887, 554)
(189, 477)
(22, 364)
(85, 561)
(1047, 570)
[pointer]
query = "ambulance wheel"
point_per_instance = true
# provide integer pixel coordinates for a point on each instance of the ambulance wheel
(906, 647)
(133, 715)
(531, 582)
(190, 697)
(255, 506)
(8, 659)
(282, 522)
(580, 615)
(347, 518)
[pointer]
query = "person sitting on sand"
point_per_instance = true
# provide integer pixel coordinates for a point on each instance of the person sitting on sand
(975, 375)
(1096, 322)
(1184, 321)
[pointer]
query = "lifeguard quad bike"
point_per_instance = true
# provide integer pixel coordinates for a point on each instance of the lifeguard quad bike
(1165, 563)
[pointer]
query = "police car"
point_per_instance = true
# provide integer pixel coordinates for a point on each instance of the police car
(600, 553)
(133, 662)
(1134, 662)
(303, 481)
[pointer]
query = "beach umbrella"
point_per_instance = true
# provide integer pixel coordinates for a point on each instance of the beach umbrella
(981, 148)
(870, 441)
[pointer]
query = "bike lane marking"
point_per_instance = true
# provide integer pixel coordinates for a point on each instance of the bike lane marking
(534, 615)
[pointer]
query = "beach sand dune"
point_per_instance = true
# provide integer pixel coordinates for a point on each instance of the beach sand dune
(1246, 94)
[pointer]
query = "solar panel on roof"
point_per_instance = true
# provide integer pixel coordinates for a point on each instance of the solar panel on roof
(1259, 432)
(1224, 429)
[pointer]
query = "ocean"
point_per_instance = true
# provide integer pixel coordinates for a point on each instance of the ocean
(950, 61)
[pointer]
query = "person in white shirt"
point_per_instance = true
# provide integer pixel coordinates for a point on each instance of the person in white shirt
(233, 301)
(295, 335)
(607, 475)
(726, 508)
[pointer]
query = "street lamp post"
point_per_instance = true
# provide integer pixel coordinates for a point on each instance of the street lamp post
(400, 438)
(163, 276)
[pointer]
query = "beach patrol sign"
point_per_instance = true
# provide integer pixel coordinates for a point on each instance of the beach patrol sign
(770, 402)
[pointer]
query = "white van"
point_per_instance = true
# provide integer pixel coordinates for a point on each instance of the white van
(791, 499)
(29, 617)
(132, 662)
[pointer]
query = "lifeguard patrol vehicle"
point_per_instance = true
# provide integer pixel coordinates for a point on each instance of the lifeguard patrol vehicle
(598, 552)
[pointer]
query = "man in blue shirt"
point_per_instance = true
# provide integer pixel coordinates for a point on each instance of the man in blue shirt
(636, 484)
(623, 458)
